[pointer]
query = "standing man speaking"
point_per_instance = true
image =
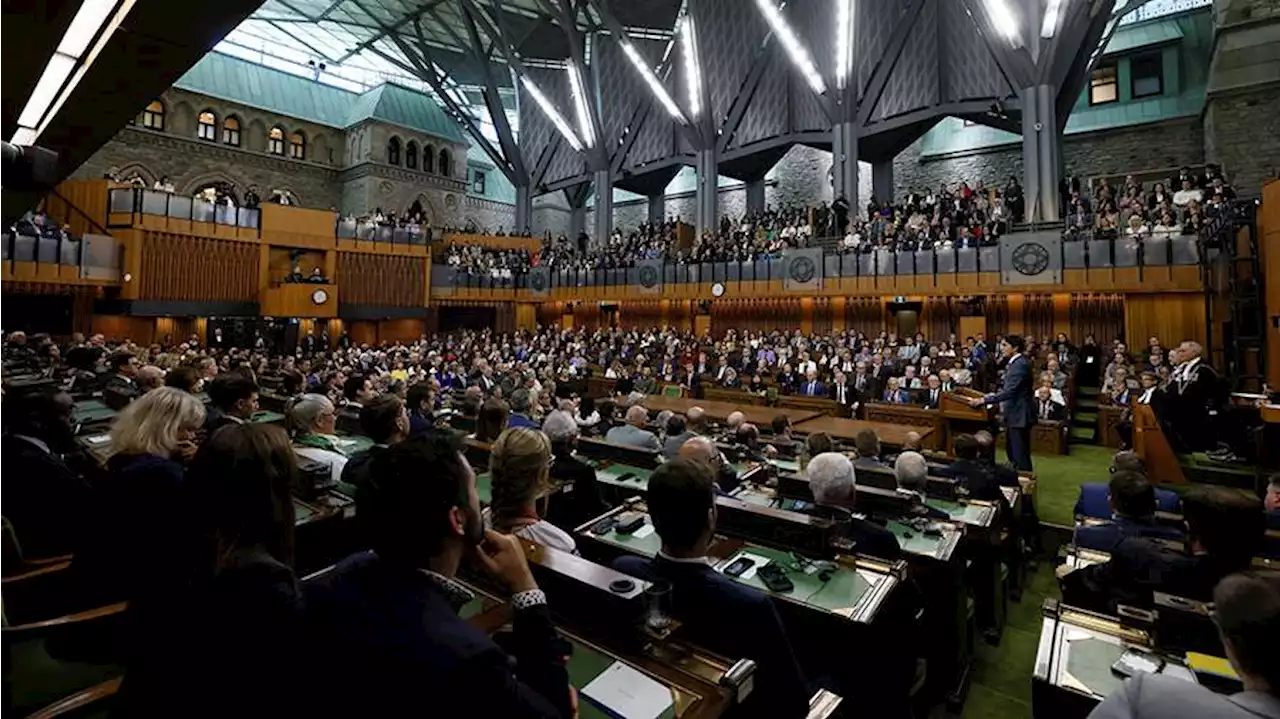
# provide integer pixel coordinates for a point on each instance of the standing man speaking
(1016, 400)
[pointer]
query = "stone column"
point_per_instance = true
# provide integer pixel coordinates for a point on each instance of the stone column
(844, 164)
(603, 225)
(708, 189)
(1041, 153)
(882, 180)
(524, 209)
(755, 195)
(657, 208)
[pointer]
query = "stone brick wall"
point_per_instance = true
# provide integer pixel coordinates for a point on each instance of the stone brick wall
(1146, 147)
(490, 215)
(1242, 134)
(191, 164)
(550, 214)
(628, 216)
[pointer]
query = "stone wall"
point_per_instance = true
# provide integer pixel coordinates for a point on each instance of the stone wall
(489, 215)
(550, 214)
(629, 216)
(1242, 134)
(191, 164)
(1158, 146)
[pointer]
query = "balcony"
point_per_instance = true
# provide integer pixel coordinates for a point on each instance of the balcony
(88, 260)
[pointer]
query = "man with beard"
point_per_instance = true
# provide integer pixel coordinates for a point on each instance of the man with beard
(390, 616)
(44, 496)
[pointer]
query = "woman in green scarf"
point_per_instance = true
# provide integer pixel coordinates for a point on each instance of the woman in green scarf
(312, 418)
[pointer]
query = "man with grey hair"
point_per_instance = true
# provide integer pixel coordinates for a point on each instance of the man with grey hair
(1192, 402)
(705, 451)
(577, 496)
(696, 420)
(911, 471)
(521, 401)
(831, 478)
(633, 433)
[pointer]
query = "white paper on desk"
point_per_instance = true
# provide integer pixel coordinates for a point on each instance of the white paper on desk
(644, 531)
(628, 693)
(98, 438)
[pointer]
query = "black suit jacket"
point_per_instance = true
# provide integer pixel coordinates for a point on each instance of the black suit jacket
(1050, 410)
(44, 499)
(1138, 567)
(931, 399)
(393, 631)
(868, 536)
(578, 498)
(980, 481)
(735, 621)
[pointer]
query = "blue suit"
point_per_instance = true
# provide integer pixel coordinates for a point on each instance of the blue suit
(1105, 537)
(734, 621)
(813, 389)
(1017, 402)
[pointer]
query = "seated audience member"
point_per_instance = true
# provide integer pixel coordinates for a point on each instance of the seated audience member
(521, 405)
(1046, 409)
(782, 440)
(233, 398)
(818, 442)
(633, 433)
(832, 480)
(119, 385)
(1247, 614)
(677, 432)
(492, 420)
(519, 469)
(705, 451)
(1224, 532)
(911, 442)
(868, 446)
(969, 471)
(894, 394)
(1133, 508)
(44, 497)
(931, 398)
(131, 541)
(710, 606)
(418, 404)
(385, 420)
(357, 390)
(184, 378)
(576, 494)
(230, 631)
(747, 440)
(1272, 502)
(149, 377)
(911, 470)
(314, 419)
(733, 421)
(389, 617)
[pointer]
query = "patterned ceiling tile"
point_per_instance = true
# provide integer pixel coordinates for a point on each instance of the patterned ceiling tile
(622, 90)
(766, 116)
(729, 37)
(536, 131)
(813, 23)
(970, 71)
(873, 24)
(914, 82)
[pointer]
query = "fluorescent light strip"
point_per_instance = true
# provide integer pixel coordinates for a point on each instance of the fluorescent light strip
(1050, 24)
(580, 103)
(86, 23)
(655, 85)
(29, 132)
(1003, 19)
(844, 42)
(799, 55)
(550, 111)
(692, 66)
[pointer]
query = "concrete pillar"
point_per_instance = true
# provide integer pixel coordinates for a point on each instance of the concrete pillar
(657, 208)
(708, 170)
(755, 195)
(603, 181)
(524, 209)
(844, 164)
(882, 180)
(577, 221)
(1041, 153)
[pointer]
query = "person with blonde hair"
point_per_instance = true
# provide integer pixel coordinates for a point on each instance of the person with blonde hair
(520, 473)
(134, 535)
(313, 419)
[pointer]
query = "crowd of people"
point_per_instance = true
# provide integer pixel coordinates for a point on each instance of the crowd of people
(1179, 205)
(217, 603)
(38, 224)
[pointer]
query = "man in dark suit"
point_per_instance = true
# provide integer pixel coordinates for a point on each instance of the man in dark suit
(845, 394)
(1193, 401)
(932, 396)
(1046, 409)
(119, 387)
(44, 496)
(811, 386)
(1224, 533)
(390, 616)
(968, 470)
(1016, 401)
(717, 612)
(577, 495)
(868, 446)
(832, 480)
(864, 383)
(386, 421)
(233, 398)
(1133, 508)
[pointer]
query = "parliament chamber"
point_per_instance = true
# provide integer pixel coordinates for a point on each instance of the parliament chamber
(669, 358)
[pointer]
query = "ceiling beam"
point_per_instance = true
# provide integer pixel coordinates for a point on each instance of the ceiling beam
(386, 31)
(888, 61)
(1015, 63)
(497, 113)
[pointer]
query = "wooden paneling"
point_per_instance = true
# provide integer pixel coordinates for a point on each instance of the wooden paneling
(1100, 315)
(1171, 317)
(82, 204)
(121, 327)
(298, 300)
(282, 259)
(530, 244)
(181, 267)
(299, 226)
(1269, 228)
(374, 279)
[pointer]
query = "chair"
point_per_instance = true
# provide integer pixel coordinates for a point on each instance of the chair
(49, 663)
(674, 391)
(86, 702)
(1093, 501)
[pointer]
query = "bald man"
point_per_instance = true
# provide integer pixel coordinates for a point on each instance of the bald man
(704, 450)
(149, 377)
(633, 433)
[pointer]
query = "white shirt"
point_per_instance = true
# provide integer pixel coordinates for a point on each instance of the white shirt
(1183, 197)
(1146, 395)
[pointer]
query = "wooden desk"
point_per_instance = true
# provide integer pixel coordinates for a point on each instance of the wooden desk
(1049, 437)
(925, 421)
(1108, 417)
(891, 435)
(719, 411)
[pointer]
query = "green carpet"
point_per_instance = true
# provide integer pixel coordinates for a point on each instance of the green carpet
(1059, 476)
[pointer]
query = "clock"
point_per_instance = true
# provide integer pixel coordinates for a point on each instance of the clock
(320, 297)
(717, 289)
